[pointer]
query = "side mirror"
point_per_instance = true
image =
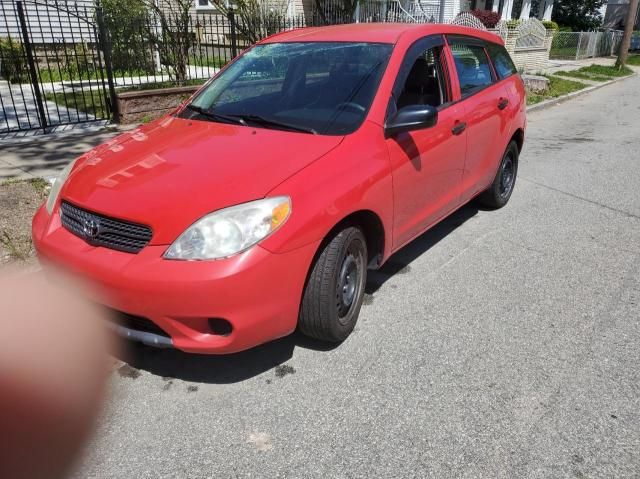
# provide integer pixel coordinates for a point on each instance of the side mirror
(409, 118)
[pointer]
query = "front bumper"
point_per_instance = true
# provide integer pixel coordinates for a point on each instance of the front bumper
(257, 291)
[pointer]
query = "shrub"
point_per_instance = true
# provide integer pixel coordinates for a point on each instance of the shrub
(488, 18)
(13, 64)
(131, 48)
(550, 25)
(513, 23)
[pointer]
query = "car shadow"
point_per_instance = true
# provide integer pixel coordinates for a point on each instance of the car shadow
(215, 369)
(400, 261)
(232, 368)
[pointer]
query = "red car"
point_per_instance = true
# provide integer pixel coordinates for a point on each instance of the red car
(257, 206)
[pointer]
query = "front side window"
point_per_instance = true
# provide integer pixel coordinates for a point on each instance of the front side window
(317, 87)
(425, 84)
(472, 65)
(501, 61)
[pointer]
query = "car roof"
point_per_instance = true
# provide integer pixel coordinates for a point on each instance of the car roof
(375, 32)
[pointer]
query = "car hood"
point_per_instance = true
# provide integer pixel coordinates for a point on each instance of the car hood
(170, 173)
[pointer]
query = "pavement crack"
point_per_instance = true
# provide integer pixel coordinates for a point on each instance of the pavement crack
(586, 200)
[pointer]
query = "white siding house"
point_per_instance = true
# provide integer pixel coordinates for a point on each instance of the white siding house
(49, 21)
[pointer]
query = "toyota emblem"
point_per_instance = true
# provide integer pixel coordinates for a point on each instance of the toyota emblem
(91, 229)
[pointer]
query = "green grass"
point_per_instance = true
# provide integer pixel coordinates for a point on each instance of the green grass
(598, 73)
(634, 60)
(609, 71)
(583, 76)
(213, 62)
(563, 53)
(89, 102)
(557, 87)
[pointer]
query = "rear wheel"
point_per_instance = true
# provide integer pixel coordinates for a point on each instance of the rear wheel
(333, 294)
(500, 190)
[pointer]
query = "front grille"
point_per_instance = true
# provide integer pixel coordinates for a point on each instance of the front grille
(99, 230)
(137, 323)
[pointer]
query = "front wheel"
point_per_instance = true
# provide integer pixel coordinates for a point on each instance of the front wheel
(333, 295)
(500, 190)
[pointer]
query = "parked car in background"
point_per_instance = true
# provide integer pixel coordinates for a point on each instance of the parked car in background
(258, 206)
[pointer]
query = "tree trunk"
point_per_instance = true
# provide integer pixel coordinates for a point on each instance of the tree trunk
(626, 37)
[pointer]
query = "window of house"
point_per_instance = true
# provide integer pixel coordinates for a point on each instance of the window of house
(501, 61)
(208, 4)
(472, 65)
(425, 83)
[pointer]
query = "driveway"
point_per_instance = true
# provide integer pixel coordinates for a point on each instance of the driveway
(499, 344)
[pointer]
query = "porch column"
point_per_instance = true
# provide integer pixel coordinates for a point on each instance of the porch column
(507, 8)
(545, 9)
(548, 9)
(526, 9)
(495, 6)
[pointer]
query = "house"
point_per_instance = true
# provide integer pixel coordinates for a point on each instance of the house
(406, 10)
(49, 21)
(616, 13)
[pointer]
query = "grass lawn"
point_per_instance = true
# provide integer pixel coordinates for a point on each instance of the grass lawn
(609, 71)
(634, 60)
(557, 87)
(598, 73)
(563, 53)
(89, 102)
(213, 62)
(583, 76)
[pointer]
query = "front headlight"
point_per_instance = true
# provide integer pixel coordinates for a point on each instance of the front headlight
(57, 185)
(231, 230)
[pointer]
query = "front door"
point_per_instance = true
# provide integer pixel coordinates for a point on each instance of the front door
(427, 164)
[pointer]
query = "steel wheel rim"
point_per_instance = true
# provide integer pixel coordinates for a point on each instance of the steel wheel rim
(507, 176)
(349, 282)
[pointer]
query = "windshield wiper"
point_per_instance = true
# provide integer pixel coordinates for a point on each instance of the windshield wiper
(274, 123)
(216, 116)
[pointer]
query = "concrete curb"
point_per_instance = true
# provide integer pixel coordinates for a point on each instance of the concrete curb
(554, 101)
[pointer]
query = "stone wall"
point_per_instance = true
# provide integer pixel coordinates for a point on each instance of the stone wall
(146, 105)
(530, 60)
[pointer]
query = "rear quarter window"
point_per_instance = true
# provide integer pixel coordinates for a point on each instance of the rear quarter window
(472, 65)
(501, 61)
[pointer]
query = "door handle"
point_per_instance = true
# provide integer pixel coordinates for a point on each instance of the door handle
(502, 103)
(459, 128)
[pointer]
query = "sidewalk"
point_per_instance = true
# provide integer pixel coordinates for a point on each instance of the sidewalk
(44, 156)
(569, 65)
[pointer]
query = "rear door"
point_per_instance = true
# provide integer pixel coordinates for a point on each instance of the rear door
(426, 164)
(484, 100)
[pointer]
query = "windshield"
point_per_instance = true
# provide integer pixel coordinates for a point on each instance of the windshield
(315, 87)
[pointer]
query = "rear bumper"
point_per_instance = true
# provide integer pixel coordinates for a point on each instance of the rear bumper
(258, 292)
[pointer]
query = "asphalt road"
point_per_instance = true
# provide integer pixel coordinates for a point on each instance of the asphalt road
(500, 344)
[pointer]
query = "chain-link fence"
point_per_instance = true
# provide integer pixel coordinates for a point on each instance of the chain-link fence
(580, 45)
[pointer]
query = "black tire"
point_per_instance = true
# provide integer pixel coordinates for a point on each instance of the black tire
(500, 190)
(333, 295)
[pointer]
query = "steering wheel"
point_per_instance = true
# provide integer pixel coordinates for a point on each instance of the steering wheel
(350, 104)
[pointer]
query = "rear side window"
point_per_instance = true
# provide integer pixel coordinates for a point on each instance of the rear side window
(501, 61)
(472, 65)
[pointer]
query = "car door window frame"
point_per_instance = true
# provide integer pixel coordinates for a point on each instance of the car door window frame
(416, 49)
(475, 42)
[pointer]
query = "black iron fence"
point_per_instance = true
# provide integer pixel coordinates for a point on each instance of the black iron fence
(52, 66)
(64, 61)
